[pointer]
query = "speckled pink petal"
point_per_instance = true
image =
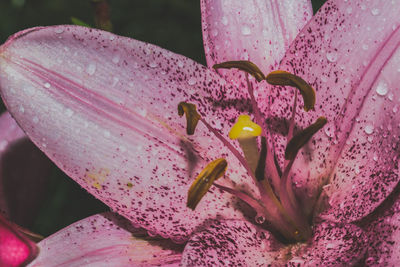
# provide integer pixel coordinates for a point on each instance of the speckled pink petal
(24, 172)
(384, 234)
(231, 243)
(15, 249)
(255, 30)
(104, 109)
(332, 245)
(105, 240)
(349, 53)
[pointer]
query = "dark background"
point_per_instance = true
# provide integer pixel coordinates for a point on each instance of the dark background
(171, 24)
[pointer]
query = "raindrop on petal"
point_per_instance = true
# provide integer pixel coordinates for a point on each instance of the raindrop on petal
(332, 56)
(369, 129)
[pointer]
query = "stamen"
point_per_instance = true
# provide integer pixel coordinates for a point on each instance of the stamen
(192, 117)
(301, 138)
(204, 180)
(243, 65)
(246, 132)
(260, 170)
(285, 78)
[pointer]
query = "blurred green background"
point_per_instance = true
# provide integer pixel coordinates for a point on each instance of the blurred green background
(171, 24)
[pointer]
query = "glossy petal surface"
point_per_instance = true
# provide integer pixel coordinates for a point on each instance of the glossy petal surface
(104, 109)
(15, 249)
(230, 243)
(24, 172)
(104, 240)
(255, 30)
(349, 53)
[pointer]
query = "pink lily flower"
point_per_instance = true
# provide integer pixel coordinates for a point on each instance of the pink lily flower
(103, 108)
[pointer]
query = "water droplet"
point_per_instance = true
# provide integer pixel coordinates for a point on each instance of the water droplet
(329, 131)
(382, 88)
(224, 20)
(47, 85)
(246, 30)
(375, 157)
(115, 81)
(260, 219)
(370, 138)
(107, 134)
(357, 170)
(115, 59)
(369, 129)
(390, 96)
(59, 30)
(91, 69)
(332, 56)
(375, 11)
(395, 109)
(112, 37)
(192, 81)
(69, 112)
(153, 64)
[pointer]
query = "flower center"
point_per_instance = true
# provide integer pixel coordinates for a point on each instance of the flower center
(278, 204)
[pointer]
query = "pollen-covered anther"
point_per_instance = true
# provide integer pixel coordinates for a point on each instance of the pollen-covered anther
(244, 65)
(192, 116)
(204, 180)
(246, 132)
(284, 78)
(301, 138)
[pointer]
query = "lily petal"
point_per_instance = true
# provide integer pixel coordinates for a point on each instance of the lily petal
(104, 109)
(349, 53)
(105, 240)
(230, 243)
(384, 234)
(332, 245)
(15, 249)
(259, 31)
(24, 172)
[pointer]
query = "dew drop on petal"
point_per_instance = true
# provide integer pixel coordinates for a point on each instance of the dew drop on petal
(115, 59)
(112, 37)
(69, 112)
(395, 109)
(59, 30)
(260, 219)
(47, 85)
(91, 69)
(224, 20)
(192, 81)
(382, 88)
(375, 11)
(369, 129)
(332, 56)
(153, 65)
(390, 96)
(246, 30)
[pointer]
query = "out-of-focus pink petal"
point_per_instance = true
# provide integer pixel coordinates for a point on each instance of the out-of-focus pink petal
(383, 230)
(259, 31)
(231, 243)
(105, 240)
(104, 109)
(24, 172)
(349, 53)
(15, 249)
(332, 245)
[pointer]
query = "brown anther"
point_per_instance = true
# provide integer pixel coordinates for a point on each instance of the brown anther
(204, 180)
(301, 138)
(192, 116)
(243, 65)
(285, 78)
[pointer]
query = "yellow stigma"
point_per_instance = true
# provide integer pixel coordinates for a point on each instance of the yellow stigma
(244, 128)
